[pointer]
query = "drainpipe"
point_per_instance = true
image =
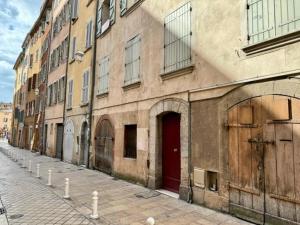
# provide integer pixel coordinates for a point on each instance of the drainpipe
(190, 191)
(66, 82)
(92, 84)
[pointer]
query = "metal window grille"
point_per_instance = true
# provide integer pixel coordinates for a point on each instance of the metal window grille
(132, 61)
(272, 18)
(177, 42)
(103, 76)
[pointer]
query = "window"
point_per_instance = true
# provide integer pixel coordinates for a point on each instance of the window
(74, 9)
(89, 31)
(61, 89)
(126, 4)
(70, 93)
(271, 18)
(29, 84)
(31, 60)
(37, 55)
(132, 61)
(33, 81)
(54, 92)
(73, 50)
(103, 76)
(105, 15)
(130, 141)
(177, 43)
(85, 88)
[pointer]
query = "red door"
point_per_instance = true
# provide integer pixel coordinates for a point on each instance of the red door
(171, 152)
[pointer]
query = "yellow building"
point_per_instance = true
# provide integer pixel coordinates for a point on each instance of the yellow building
(80, 74)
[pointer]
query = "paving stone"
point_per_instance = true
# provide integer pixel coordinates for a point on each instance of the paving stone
(22, 193)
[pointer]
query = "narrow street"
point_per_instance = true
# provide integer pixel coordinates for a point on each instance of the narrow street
(29, 201)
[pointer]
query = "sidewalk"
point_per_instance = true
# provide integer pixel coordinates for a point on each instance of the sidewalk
(120, 202)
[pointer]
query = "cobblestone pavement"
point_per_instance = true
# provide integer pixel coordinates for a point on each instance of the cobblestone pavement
(120, 202)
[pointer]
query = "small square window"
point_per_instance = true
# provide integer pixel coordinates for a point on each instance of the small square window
(130, 141)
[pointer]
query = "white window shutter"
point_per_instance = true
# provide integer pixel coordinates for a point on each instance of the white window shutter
(123, 6)
(99, 17)
(112, 11)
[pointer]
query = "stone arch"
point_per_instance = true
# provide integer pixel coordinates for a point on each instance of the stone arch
(286, 87)
(104, 136)
(155, 171)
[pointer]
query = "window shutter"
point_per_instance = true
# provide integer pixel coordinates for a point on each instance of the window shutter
(74, 9)
(112, 14)
(99, 17)
(87, 35)
(123, 6)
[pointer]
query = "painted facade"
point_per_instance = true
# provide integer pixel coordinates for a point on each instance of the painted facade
(54, 111)
(196, 97)
(80, 75)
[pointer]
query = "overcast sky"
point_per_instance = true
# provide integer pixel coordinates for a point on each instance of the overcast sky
(16, 19)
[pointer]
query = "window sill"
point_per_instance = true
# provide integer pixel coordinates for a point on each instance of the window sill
(102, 34)
(131, 8)
(74, 20)
(128, 158)
(84, 105)
(88, 3)
(69, 108)
(87, 49)
(72, 60)
(272, 43)
(102, 95)
(177, 73)
(132, 86)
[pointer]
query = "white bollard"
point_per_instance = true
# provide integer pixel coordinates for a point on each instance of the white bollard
(37, 170)
(150, 221)
(67, 189)
(95, 206)
(49, 178)
(29, 166)
(23, 164)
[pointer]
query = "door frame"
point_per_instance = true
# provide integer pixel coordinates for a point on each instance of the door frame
(237, 94)
(155, 140)
(163, 150)
(84, 128)
(104, 117)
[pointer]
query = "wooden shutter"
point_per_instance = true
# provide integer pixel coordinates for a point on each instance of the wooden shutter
(112, 13)
(73, 48)
(123, 6)
(74, 9)
(136, 59)
(99, 17)
(261, 24)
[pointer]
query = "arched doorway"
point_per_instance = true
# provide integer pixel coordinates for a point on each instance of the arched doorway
(264, 159)
(68, 142)
(104, 142)
(169, 117)
(84, 146)
(171, 151)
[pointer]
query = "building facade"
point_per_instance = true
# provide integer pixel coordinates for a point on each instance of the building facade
(200, 98)
(5, 120)
(79, 82)
(54, 112)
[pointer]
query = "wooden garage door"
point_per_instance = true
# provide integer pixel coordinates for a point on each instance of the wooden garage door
(264, 160)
